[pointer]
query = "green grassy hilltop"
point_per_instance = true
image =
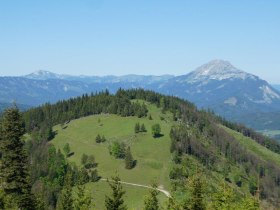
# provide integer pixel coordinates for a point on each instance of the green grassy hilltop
(152, 154)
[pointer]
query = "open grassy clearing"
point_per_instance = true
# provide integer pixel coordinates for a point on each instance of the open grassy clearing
(152, 154)
(253, 146)
(134, 197)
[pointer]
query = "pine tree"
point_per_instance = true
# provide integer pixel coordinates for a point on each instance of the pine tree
(249, 203)
(66, 149)
(84, 159)
(103, 139)
(223, 199)
(83, 199)
(143, 128)
(14, 173)
(115, 202)
(156, 129)
(197, 194)
(151, 201)
(65, 200)
(137, 128)
(98, 139)
(129, 162)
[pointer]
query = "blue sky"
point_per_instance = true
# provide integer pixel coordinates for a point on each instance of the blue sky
(101, 37)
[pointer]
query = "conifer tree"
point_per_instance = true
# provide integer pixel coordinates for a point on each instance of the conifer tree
(151, 201)
(84, 159)
(249, 203)
(129, 162)
(65, 201)
(115, 202)
(83, 200)
(137, 128)
(143, 128)
(98, 138)
(197, 194)
(223, 199)
(103, 139)
(14, 173)
(66, 149)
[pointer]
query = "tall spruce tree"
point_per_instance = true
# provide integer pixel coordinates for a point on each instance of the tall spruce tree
(129, 162)
(115, 202)
(83, 199)
(151, 201)
(197, 194)
(14, 173)
(65, 200)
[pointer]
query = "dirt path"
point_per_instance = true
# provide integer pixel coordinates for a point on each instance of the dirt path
(160, 188)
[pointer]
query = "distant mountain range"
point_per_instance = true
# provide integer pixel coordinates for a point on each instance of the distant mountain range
(217, 85)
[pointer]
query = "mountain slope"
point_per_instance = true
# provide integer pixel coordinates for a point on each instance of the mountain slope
(196, 142)
(230, 92)
(217, 85)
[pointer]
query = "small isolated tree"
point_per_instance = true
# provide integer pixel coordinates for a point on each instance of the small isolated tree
(94, 176)
(115, 202)
(151, 200)
(137, 128)
(103, 139)
(84, 159)
(143, 128)
(129, 162)
(150, 117)
(66, 149)
(118, 149)
(98, 139)
(156, 129)
(90, 162)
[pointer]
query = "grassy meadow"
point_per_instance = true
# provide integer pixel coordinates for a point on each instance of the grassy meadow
(152, 154)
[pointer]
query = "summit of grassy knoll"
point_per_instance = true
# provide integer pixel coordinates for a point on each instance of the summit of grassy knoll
(152, 155)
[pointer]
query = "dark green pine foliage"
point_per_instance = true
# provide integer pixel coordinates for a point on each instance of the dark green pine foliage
(143, 128)
(151, 201)
(65, 200)
(14, 173)
(137, 128)
(83, 199)
(115, 202)
(197, 194)
(129, 162)
(98, 139)
(156, 129)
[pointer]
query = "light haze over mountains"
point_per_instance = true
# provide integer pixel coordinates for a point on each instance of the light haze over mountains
(216, 85)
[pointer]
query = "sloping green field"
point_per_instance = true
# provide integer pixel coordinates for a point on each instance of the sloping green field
(253, 146)
(152, 154)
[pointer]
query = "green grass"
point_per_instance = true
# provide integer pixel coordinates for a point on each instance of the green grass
(134, 196)
(253, 146)
(152, 154)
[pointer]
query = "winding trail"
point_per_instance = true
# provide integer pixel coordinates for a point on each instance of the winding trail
(165, 192)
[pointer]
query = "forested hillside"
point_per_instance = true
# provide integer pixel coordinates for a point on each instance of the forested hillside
(209, 163)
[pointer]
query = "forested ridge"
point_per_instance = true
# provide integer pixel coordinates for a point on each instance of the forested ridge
(195, 134)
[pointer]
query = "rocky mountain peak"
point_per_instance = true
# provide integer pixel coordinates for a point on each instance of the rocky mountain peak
(42, 75)
(217, 70)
